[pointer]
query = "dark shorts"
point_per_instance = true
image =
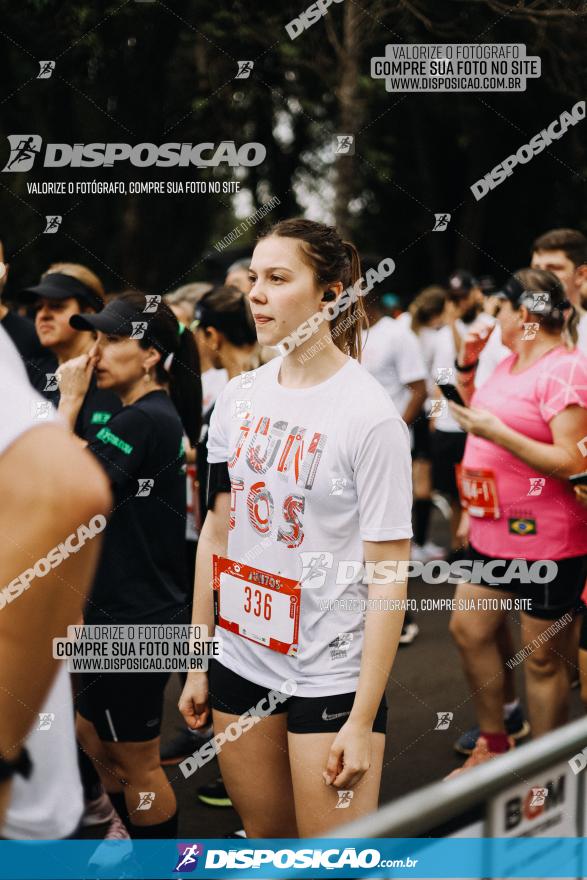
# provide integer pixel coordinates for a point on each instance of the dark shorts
(421, 431)
(122, 706)
(235, 695)
(549, 601)
(583, 635)
(448, 448)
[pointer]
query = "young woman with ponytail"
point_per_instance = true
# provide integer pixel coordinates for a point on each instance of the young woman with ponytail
(309, 480)
(151, 362)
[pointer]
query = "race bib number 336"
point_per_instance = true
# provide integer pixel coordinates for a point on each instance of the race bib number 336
(257, 605)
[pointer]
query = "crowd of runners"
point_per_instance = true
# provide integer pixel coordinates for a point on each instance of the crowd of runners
(166, 460)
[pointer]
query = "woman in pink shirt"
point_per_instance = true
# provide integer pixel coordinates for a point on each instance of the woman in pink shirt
(526, 425)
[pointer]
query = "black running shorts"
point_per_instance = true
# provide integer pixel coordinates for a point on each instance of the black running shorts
(549, 601)
(235, 695)
(122, 706)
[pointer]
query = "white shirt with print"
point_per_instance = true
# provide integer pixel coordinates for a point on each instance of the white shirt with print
(314, 471)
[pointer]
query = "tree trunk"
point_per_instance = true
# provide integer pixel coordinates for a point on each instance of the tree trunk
(350, 113)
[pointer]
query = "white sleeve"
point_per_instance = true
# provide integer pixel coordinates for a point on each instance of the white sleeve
(410, 362)
(218, 433)
(21, 406)
(383, 479)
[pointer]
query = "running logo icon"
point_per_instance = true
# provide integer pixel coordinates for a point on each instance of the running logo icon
(23, 151)
(437, 409)
(46, 69)
(139, 328)
(41, 409)
(51, 382)
(441, 222)
(539, 795)
(145, 486)
(344, 800)
(314, 565)
(244, 69)
(337, 485)
(46, 719)
(444, 719)
(530, 331)
(445, 375)
(153, 300)
(539, 302)
(345, 144)
(146, 800)
(53, 222)
(537, 484)
(188, 855)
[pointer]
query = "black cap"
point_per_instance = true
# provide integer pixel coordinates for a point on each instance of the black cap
(512, 290)
(117, 318)
(461, 282)
(57, 285)
(534, 300)
(487, 285)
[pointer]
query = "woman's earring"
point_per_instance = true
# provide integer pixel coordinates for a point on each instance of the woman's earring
(147, 376)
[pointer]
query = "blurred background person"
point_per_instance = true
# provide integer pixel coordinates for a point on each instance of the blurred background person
(237, 275)
(564, 253)
(392, 354)
(68, 289)
(425, 319)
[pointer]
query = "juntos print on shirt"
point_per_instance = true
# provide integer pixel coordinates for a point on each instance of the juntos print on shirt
(275, 450)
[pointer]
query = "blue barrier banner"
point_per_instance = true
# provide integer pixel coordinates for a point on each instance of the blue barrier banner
(311, 858)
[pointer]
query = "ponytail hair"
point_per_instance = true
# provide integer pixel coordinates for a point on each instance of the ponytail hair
(331, 260)
(179, 365)
(558, 316)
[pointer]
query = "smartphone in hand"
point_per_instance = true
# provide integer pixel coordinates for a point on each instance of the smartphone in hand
(451, 393)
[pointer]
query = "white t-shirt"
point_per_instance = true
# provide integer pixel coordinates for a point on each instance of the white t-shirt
(335, 461)
(392, 354)
(48, 805)
(492, 355)
(444, 358)
(213, 381)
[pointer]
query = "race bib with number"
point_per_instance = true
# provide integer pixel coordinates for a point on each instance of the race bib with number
(257, 605)
(478, 492)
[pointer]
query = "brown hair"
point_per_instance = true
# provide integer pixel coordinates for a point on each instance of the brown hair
(571, 241)
(554, 321)
(429, 304)
(331, 259)
(82, 273)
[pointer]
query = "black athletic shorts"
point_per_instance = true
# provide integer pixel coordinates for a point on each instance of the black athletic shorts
(421, 432)
(549, 601)
(235, 695)
(122, 706)
(448, 448)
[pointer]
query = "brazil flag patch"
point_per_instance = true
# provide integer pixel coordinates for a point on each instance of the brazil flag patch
(522, 526)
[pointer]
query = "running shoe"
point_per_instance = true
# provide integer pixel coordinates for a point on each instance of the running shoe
(214, 794)
(427, 552)
(184, 744)
(409, 633)
(480, 755)
(98, 811)
(240, 833)
(516, 726)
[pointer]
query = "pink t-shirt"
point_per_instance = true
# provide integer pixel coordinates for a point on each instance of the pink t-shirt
(540, 517)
